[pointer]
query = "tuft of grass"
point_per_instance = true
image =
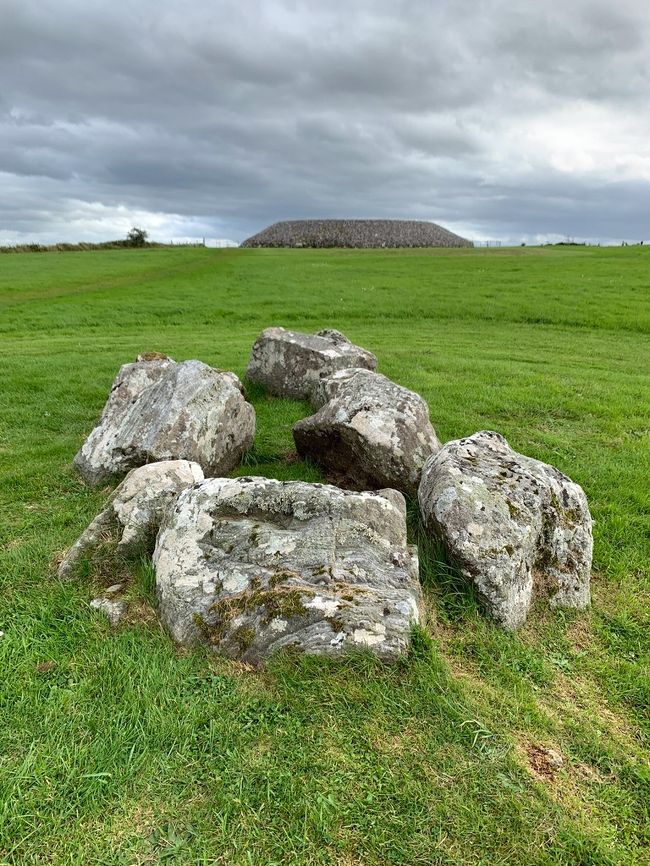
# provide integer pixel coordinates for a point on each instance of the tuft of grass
(452, 595)
(117, 748)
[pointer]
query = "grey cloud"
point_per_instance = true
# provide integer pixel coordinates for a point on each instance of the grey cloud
(593, 51)
(228, 116)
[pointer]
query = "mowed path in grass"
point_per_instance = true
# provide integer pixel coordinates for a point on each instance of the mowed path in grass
(117, 749)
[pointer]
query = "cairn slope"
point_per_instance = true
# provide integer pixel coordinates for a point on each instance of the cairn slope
(355, 234)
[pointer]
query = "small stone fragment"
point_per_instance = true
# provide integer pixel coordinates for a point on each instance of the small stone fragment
(369, 432)
(252, 565)
(518, 528)
(133, 512)
(113, 610)
(544, 762)
(160, 410)
(555, 759)
(289, 364)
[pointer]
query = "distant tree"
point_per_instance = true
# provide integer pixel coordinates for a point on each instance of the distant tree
(137, 237)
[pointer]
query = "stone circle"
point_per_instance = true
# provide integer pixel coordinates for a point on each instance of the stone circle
(252, 565)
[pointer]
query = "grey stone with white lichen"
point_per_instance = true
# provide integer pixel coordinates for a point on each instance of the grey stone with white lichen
(162, 410)
(133, 513)
(516, 527)
(290, 364)
(369, 431)
(254, 565)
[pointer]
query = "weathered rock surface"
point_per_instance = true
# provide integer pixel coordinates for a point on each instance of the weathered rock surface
(516, 527)
(160, 410)
(251, 565)
(370, 431)
(289, 364)
(133, 512)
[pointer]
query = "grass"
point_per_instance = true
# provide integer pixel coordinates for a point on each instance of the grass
(116, 748)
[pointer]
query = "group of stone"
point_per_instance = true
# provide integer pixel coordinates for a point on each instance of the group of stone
(251, 565)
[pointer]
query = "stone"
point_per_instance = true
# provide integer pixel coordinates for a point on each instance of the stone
(289, 364)
(132, 515)
(370, 432)
(113, 610)
(253, 565)
(516, 527)
(162, 410)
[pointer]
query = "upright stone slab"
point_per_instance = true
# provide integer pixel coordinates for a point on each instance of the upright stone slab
(133, 513)
(160, 410)
(516, 527)
(370, 432)
(252, 565)
(289, 364)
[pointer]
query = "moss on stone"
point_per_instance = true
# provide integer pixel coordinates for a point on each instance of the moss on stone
(282, 576)
(277, 602)
(244, 636)
(283, 603)
(571, 516)
(211, 634)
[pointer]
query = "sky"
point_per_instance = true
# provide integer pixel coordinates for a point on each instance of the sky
(519, 121)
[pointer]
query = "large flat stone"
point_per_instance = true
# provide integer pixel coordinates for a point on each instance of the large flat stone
(252, 565)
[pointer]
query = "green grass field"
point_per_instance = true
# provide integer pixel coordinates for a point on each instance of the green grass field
(117, 749)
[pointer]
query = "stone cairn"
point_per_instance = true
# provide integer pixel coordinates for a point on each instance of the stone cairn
(356, 234)
(251, 565)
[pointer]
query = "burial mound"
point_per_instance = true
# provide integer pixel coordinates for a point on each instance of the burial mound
(356, 233)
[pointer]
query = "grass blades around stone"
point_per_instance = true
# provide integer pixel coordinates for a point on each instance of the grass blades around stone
(116, 748)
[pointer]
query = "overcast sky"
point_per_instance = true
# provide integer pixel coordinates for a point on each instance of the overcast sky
(518, 121)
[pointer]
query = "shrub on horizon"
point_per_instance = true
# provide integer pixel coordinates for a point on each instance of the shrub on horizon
(136, 237)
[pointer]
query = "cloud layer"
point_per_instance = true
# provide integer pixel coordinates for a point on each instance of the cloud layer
(217, 118)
